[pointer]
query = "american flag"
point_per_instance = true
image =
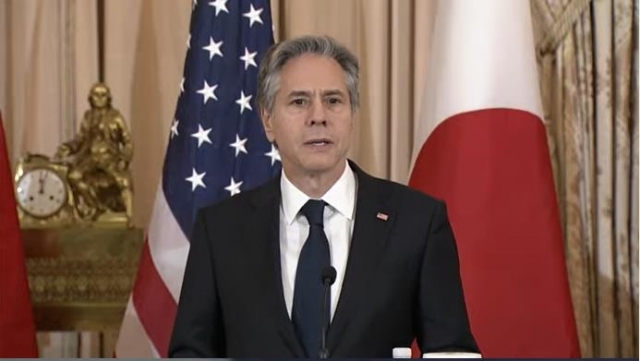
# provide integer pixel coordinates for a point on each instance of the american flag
(217, 148)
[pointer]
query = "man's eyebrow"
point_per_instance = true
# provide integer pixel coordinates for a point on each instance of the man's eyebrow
(333, 92)
(298, 93)
(309, 94)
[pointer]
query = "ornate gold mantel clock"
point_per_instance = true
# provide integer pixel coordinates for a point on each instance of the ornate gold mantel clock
(81, 274)
(88, 180)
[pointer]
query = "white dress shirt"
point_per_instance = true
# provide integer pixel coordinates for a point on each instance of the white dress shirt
(338, 220)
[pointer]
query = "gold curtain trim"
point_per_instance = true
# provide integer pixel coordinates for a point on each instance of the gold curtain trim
(561, 27)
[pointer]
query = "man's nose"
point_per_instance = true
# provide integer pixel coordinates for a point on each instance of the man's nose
(318, 114)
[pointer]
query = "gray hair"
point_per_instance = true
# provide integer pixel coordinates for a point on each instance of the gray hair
(278, 55)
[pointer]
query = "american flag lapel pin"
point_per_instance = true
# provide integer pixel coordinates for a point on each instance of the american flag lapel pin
(382, 216)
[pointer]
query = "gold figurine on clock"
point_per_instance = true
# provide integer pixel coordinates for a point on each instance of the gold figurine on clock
(90, 173)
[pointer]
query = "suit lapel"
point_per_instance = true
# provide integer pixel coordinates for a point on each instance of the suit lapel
(265, 232)
(374, 221)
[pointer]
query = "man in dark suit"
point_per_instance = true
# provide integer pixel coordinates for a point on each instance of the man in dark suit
(261, 262)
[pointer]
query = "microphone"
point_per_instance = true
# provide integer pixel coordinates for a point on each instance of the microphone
(328, 277)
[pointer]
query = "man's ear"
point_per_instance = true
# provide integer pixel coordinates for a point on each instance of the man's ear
(267, 124)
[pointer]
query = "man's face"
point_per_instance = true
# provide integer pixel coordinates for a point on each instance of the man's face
(311, 120)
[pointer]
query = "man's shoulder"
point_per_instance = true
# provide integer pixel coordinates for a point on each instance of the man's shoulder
(398, 192)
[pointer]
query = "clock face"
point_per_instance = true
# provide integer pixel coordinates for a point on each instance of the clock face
(41, 192)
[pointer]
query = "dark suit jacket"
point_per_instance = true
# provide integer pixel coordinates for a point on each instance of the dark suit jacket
(402, 280)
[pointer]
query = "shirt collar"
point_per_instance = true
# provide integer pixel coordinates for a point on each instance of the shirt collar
(341, 196)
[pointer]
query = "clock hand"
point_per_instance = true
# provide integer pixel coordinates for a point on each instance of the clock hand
(41, 190)
(42, 180)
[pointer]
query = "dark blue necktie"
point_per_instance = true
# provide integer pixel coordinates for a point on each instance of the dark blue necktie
(307, 313)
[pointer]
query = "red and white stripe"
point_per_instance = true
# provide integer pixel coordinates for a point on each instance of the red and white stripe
(148, 321)
(481, 146)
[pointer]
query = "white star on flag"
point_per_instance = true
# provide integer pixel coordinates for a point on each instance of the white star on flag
(273, 154)
(189, 41)
(202, 135)
(220, 5)
(182, 85)
(213, 48)
(233, 188)
(253, 15)
(239, 145)
(196, 180)
(174, 128)
(244, 102)
(208, 92)
(249, 58)
(194, 4)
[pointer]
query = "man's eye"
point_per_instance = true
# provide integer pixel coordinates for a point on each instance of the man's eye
(334, 100)
(298, 101)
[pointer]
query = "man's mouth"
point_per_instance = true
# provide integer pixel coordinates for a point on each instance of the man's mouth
(318, 142)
